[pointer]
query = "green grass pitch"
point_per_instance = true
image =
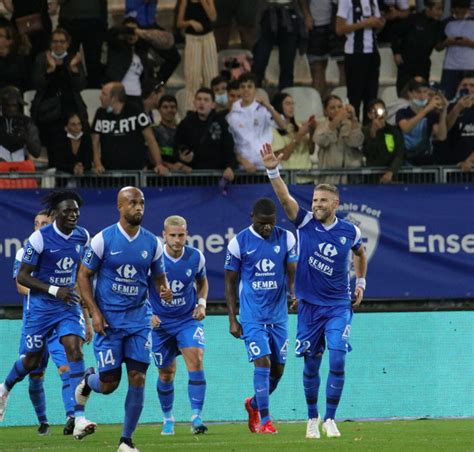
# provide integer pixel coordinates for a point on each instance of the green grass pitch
(401, 436)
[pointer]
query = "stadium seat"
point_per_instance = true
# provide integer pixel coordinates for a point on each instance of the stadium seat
(332, 73)
(262, 93)
(181, 99)
(26, 166)
(302, 72)
(437, 60)
(176, 81)
(388, 94)
(388, 68)
(307, 102)
(340, 91)
(28, 97)
(91, 97)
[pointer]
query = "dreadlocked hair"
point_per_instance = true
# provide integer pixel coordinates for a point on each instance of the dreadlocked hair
(54, 198)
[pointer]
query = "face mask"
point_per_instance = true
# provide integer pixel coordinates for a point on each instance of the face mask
(109, 109)
(59, 56)
(221, 99)
(74, 137)
(420, 102)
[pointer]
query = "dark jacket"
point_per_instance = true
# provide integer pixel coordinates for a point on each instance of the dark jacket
(65, 84)
(386, 149)
(210, 140)
(62, 158)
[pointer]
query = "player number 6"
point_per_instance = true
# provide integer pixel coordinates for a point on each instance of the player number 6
(254, 349)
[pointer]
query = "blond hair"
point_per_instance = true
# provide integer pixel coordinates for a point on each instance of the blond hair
(328, 187)
(175, 220)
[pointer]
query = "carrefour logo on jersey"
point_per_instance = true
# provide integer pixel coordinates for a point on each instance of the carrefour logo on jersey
(66, 263)
(265, 265)
(328, 249)
(126, 271)
(176, 286)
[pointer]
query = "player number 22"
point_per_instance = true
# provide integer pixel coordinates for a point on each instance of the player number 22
(107, 359)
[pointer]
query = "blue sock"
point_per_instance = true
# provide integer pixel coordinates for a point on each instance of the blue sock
(166, 397)
(16, 374)
(93, 380)
(76, 372)
(38, 399)
(335, 382)
(68, 395)
(196, 390)
(311, 382)
(261, 384)
(133, 409)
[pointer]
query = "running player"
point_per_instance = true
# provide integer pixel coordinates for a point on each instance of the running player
(177, 325)
(121, 258)
(48, 270)
(322, 289)
(263, 257)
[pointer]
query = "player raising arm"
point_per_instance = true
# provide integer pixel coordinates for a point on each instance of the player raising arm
(322, 289)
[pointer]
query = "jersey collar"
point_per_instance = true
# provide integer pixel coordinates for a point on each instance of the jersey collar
(174, 259)
(124, 233)
(64, 236)
(255, 233)
(328, 228)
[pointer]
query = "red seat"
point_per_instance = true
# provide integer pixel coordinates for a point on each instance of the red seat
(27, 166)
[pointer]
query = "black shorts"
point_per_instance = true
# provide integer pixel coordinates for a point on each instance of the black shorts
(324, 43)
(244, 12)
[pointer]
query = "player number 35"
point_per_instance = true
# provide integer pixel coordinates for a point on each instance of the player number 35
(35, 341)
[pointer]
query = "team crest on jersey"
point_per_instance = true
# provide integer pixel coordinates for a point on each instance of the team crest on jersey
(276, 249)
(189, 272)
(343, 240)
(366, 218)
(78, 248)
(144, 254)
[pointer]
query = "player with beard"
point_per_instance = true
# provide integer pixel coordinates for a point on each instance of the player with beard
(322, 290)
(121, 257)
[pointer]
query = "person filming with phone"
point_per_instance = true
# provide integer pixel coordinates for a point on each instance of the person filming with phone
(383, 143)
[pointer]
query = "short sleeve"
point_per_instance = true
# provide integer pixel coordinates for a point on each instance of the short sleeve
(357, 239)
(17, 262)
(158, 263)
(97, 123)
(33, 248)
(302, 217)
(344, 8)
(292, 255)
(232, 259)
(201, 273)
(94, 253)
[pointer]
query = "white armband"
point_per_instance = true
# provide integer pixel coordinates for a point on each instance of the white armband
(53, 290)
(273, 173)
(360, 282)
(202, 302)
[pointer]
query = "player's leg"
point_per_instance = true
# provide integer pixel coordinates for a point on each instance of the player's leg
(337, 332)
(164, 352)
(310, 345)
(136, 349)
(279, 352)
(191, 340)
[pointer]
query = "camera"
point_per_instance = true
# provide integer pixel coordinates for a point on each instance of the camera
(463, 92)
(380, 112)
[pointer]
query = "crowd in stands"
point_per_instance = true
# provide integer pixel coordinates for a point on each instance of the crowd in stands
(230, 109)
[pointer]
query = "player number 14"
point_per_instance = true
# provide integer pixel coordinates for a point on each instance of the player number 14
(107, 359)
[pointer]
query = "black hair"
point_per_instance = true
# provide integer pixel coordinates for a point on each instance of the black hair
(460, 3)
(54, 198)
(374, 102)
(218, 80)
(167, 98)
(70, 115)
(264, 206)
(277, 103)
(61, 31)
(130, 20)
(247, 77)
(329, 99)
(206, 91)
(233, 85)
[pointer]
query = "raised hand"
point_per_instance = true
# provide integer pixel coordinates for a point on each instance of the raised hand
(166, 294)
(269, 159)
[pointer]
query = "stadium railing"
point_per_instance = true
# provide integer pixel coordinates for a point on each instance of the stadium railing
(114, 179)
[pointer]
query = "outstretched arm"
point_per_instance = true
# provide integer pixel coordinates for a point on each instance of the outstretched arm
(271, 162)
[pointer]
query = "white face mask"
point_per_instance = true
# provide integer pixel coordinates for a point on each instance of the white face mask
(59, 56)
(75, 137)
(221, 99)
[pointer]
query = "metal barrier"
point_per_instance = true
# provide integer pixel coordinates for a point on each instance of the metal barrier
(116, 179)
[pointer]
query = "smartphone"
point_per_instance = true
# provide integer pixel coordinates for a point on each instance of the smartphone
(464, 92)
(312, 118)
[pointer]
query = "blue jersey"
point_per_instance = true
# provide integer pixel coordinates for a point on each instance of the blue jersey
(262, 267)
(322, 276)
(16, 269)
(123, 264)
(181, 274)
(56, 257)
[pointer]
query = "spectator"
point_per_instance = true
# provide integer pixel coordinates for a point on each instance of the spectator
(244, 12)
(403, 101)
(339, 138)
(420, 122)
(359, 21)
(58, 78)
(233, 95)
(203, 140)
(460, 123)
(383, 143)
(393, 11)
(14, 67)
(121, 133)
(323, 42)
(219, 88)
(128, 56)
(457, 37)
(295, 141)
(413, 41)
(31, 18)
(195, 17)
(281, 24)
(86, 22)
(72, 151)
(250, 122)
(144, 12)
(18, 135)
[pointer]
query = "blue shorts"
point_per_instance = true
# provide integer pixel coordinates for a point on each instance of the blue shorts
(39, 328)
(315, 323)
(167, 341)
(118, 343)
(266, 339)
